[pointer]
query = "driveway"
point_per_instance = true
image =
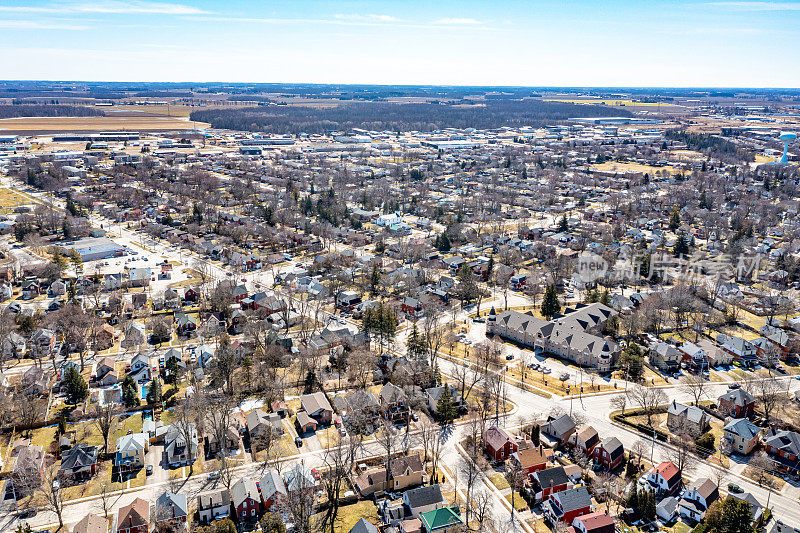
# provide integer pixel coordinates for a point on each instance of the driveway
(155, 457)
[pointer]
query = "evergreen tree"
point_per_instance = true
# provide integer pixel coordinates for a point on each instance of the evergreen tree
(467, 288)
(605, 298)
(633, 498)
(550, 304)
(681, 248)
(374, 279)
(171, 374)
(445, 406)
(490, 267)
(76, 388)
(130, 393)
(563, 224)
(675, 220)
(415, 346)
(154, 391)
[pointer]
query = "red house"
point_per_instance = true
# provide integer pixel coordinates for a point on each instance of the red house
(134, 517)
(191, 294)
(610, 453)
(499, 444)
(550, 481)
(246, 500)
(530, 460)
(412, 307)
(737, 403)
(568, 505)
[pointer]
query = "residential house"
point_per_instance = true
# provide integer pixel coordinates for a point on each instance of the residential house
(667, 509)
(304, 423)
(665, 357)
(596, 522)
(584, 439)
(404, 472)
(246, 500)
(498, 444)
(134, 517)
(529, 460)
(559, 428)
(36, 381)
(213, 444)
(412, 307)
(362, 526)
(549, 481)
(43, 342)
(696, 499)
(171, 512)
(610, 453)
(91, 523)
(736, 403)
(299, 478)
(180, 444)
(393, 402)
(13, 345)
(213, 505)
(28, 469)
(140, 369)
(434, 394)
(442, 520)
(317, 407)
(135, 334)
(783, 446)
(664, 478)
(423, 499)
(185, 324)
(79, 462)
(566, 506)
(272, 490)
(139, 277)
(756, 509)
(742, 435)
(687, 419)
(739, 349)
(131, 450)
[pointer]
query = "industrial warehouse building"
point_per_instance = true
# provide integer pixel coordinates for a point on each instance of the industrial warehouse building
(93, 249)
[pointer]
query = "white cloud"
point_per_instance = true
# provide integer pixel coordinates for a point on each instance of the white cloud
(458, 22)
(112, 7)
(38, 25)
(367, 18)
(759, 6)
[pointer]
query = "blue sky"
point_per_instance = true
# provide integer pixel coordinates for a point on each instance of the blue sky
(464, 42)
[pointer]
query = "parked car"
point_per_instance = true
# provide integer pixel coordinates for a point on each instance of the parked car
(734, 488)
(298, 442)
(149, 470)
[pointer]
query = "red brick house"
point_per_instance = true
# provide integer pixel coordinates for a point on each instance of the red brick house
(412, 307)
(499, 445)
(597, 522)
(610, 453)
(246, 500)
(134, 517)
(737, 403)
(568, 505)
(549, 482)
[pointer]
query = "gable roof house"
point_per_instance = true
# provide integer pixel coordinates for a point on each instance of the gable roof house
(317, 407)
(736, 403)
(567, 505)
(784, 447)
(664, 478)
(79, 462)
(529, 460)
(689, 419)
(559, 428)
(609, 453)
(423, 499)
(584, 439)
(178, 449)
(696, 499)
(134, 517)
(91, 523)
(596, 522)
(548, 482)
(171, 510)
(213, 505)
(498, 444)
(272, 490)
(246, 500)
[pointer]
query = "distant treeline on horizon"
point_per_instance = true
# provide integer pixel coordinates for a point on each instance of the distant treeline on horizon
(380, 116)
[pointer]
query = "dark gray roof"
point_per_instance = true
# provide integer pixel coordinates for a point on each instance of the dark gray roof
(362, 526)
(423, 496)
(552, 477)
(574, 499)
